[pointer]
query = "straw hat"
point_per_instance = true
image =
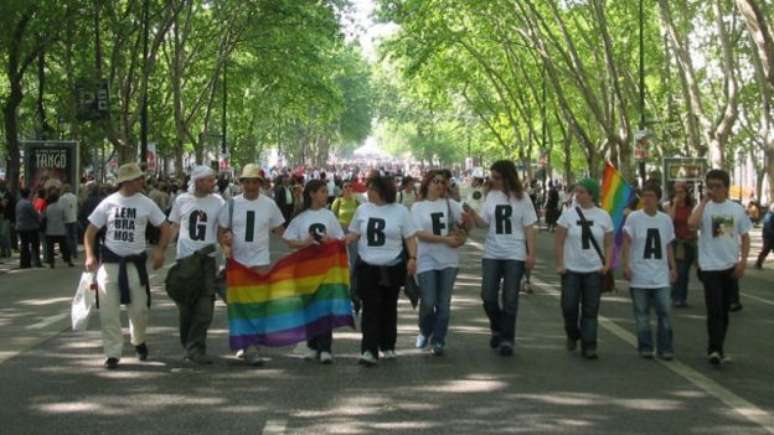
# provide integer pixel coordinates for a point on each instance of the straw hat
(129, 172)
(251, 170)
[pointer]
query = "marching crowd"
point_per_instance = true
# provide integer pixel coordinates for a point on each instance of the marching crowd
(399, 231)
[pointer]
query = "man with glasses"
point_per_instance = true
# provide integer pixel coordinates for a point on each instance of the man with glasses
(724, 245)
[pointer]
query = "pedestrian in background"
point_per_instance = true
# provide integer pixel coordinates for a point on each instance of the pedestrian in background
(69, 201)
(56, 230)
(684, 246)
(768, 237)
(28, 229)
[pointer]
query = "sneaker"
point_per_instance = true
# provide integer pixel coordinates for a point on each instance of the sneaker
(571, 344)
(715, 359)
(438, 349)
(240, 354)
(198, 358)
(646, 354)
(506, 349)
(310, 354)
(367, 359)
(142, 352)
(254, 359)
(494, 342)
(590, 354)
(666, 356)
(111, 363)
(326, 358)
(736, 306)
(421, 341)
(390, 354)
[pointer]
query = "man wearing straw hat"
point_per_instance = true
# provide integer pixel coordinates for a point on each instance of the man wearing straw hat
(245, 226)
(195, 215)
(122, 276)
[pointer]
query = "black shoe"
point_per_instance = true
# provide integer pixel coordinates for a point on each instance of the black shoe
(111, 363)
(141, 351)
(70, 264)
(198, 358)
(571, 344)
(506, 349)
(494, 342)
(715, 359)
(736, 306)
(590, 354)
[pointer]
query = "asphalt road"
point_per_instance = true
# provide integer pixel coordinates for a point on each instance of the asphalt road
(52, 380)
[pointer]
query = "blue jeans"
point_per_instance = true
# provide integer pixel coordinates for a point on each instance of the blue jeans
(642, 300)
(435, 307)
(580, 306)
(502, 321)
(680, 287)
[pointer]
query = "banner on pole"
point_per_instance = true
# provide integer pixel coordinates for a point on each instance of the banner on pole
(45, 160)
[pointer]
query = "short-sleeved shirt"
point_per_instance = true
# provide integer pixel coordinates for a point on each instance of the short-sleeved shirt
(720, 231)
(198, 220)
(433, 216)
(579, 253)
(321, 222)
(507, 217)
(650, 239)
(382, 229)
(252, 224)
(126, 218)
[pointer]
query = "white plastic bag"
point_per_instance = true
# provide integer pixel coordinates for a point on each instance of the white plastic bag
(84, 302)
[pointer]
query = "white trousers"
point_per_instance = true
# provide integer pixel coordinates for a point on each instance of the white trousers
(110, 308)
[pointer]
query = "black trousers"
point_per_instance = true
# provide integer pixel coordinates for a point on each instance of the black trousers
(721, 289)
(768, 245)
(30, 248)
(63, 248)
(322, 342)
(195, 318)
(380, 309)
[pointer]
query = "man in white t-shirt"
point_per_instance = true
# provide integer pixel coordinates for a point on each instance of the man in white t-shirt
(122, 277)
(195, 214)
(69, 201)
(246, 223)
(649, 266)
(724, 245)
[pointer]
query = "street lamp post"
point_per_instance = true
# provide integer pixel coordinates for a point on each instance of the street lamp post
(642, 142)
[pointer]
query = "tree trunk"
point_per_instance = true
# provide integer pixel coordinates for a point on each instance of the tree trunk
(761, 34)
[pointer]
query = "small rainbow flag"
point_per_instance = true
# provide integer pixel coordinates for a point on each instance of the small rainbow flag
(304, 295)
(616, 195)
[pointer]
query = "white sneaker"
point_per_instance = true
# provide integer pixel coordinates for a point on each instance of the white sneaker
(310, 354)
(240, 354)
(390, 354)
(367, 359)
(421, 341)
(326, 358)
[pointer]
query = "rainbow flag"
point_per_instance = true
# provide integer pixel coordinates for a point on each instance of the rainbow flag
(305, 294)
(616, 195)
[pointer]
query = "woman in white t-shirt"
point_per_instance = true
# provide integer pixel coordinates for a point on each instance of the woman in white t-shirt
(649, 266)
(509, 250)
(434, 216)
(313, 226)
(382, 228)
(580, 231)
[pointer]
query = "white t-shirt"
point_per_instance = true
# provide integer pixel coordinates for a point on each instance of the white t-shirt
(321, 221)
(406, 198)
(722, 226)
(69, 201)
(252, 224)
(433, 216)
(382, 229)
(198, 220)
(126, 218)
(579, 253)
(650, 238)
(507, 218)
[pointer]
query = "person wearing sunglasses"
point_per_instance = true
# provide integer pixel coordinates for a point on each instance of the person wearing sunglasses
(724, 245)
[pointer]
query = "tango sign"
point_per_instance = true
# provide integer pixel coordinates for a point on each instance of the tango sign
(45, 160)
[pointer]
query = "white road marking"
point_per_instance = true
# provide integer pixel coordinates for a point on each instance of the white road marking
(739, 405)
(275, 427)
(757, 298)
(48, 321)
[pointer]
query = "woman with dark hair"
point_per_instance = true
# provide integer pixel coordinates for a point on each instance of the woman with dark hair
(584, 240)
(315, 225)
(383, 229)
(436, 217)
(509, 250)
(679, 209)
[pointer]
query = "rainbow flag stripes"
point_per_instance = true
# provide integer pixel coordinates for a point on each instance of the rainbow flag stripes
(305, 294)
(616, 195)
